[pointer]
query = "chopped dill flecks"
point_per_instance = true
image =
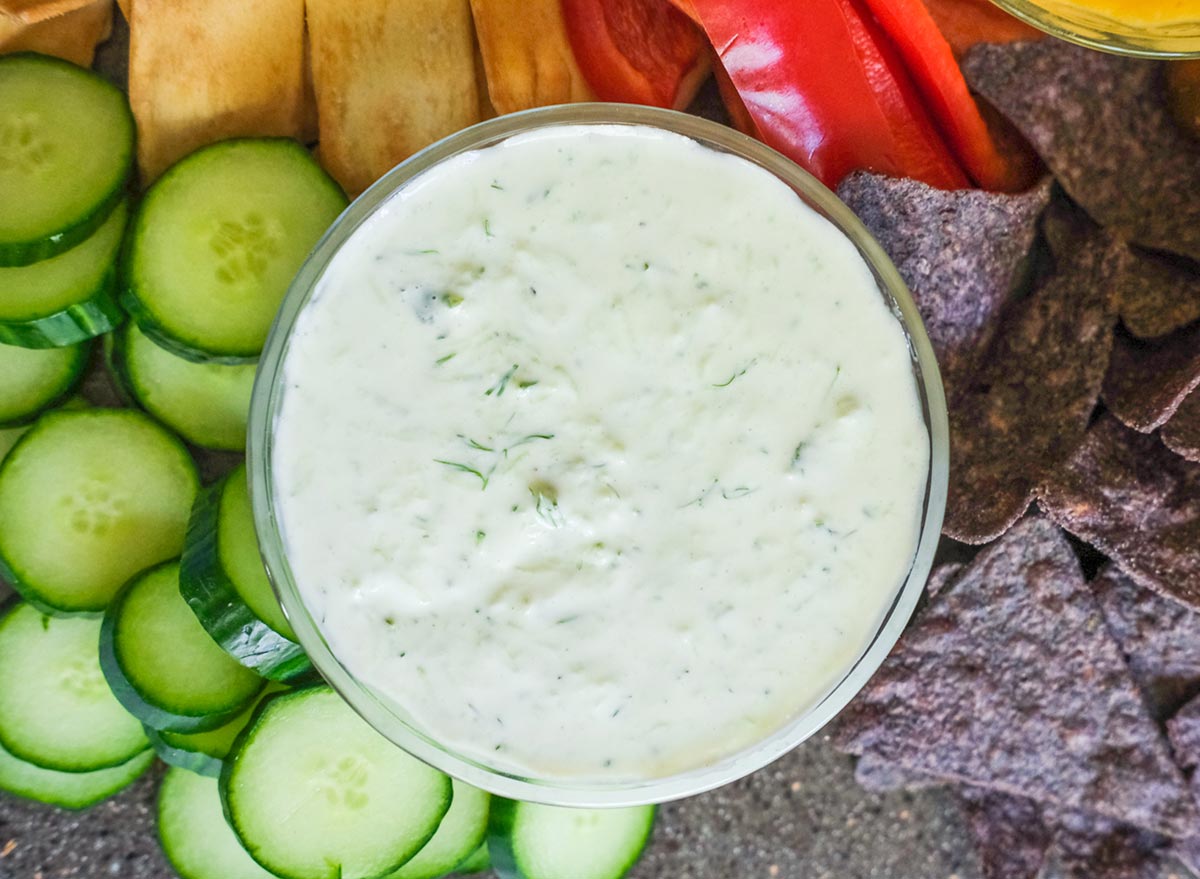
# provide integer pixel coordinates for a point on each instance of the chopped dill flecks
(736, 375)
(474, 444)
(567, 619)
(498, 387)
(445, 359)
(452, 300)
(456, 465)
(798, 453)
(479, 536)
(496, 185)
(487, 227)
(734, 493)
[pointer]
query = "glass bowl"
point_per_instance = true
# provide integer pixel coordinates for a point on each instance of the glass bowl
(387, 717)
(1064, 19)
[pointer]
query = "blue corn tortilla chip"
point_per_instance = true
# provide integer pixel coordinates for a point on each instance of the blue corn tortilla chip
(1101, 124)
(1147, 381)
(881, 776)
(1135, 500)
(963, 254)
(1159, 637)
(1087, 846)
(1182, 433)
(1184, 731)
(1158, 295)
(1008, 833)
(1010, 681)
(1029, 405)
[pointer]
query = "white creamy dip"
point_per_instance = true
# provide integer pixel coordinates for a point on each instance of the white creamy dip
(599, 453)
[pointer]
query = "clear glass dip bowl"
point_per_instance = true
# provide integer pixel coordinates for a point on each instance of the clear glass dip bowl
(1064, 19)
(389, 718)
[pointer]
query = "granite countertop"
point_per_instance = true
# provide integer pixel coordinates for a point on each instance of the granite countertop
(803, 817)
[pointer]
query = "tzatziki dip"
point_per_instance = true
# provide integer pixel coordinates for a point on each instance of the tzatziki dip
(600, 454)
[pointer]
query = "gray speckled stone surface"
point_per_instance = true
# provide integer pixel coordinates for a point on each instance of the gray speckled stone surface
(800, 818)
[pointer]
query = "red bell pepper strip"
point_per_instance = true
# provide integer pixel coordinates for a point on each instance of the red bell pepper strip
(931, 62)
(637, 51)
(965, 23)
(826, 88)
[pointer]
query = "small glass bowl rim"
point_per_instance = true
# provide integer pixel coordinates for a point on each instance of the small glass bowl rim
(594, 794)
(1118, 42)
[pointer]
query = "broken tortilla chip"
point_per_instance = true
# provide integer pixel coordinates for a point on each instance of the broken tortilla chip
(1158, 294)
(1136, 501)
(1182, 433)
(962, 253)
(1008, 833)
(69, 29)
(1147, 381)
(1101, 124)
(1159, 637)
(1028, 406)
(1088, 846)
(526, 55)
(1010, 681)
(882, 776)
(201, 71)
(391, 77)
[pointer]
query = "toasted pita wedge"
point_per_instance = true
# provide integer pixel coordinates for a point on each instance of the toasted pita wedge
(527, 55)
(206, 70)
(391, 77)
(69, 29)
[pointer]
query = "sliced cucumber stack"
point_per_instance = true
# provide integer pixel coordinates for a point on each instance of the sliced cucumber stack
(313, 792)
(56, 711)
(226, 586)
(204, 752)
(462, 831)
(68, 298)
(162, 665)
(33, 380)
(532, 841)
(68, 790)
(205, 403)
(88, 499)
(66, 151)
(194, 834)
(217, 240)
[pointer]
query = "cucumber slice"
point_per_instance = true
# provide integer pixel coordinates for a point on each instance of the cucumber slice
(226, 586)
(10, 435)
(532, 841)
(68, 790)
(66, 150)
(478, 861)
(32, 380)
(205, 403)
(459, 836)
(88, 499)
(194, 834)
(56, 711)
(68, 298)
(162, 665)
(313, 792)
(205, 752)
(217, 241)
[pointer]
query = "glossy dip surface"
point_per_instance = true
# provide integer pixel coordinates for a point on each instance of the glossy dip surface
(599, 453)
